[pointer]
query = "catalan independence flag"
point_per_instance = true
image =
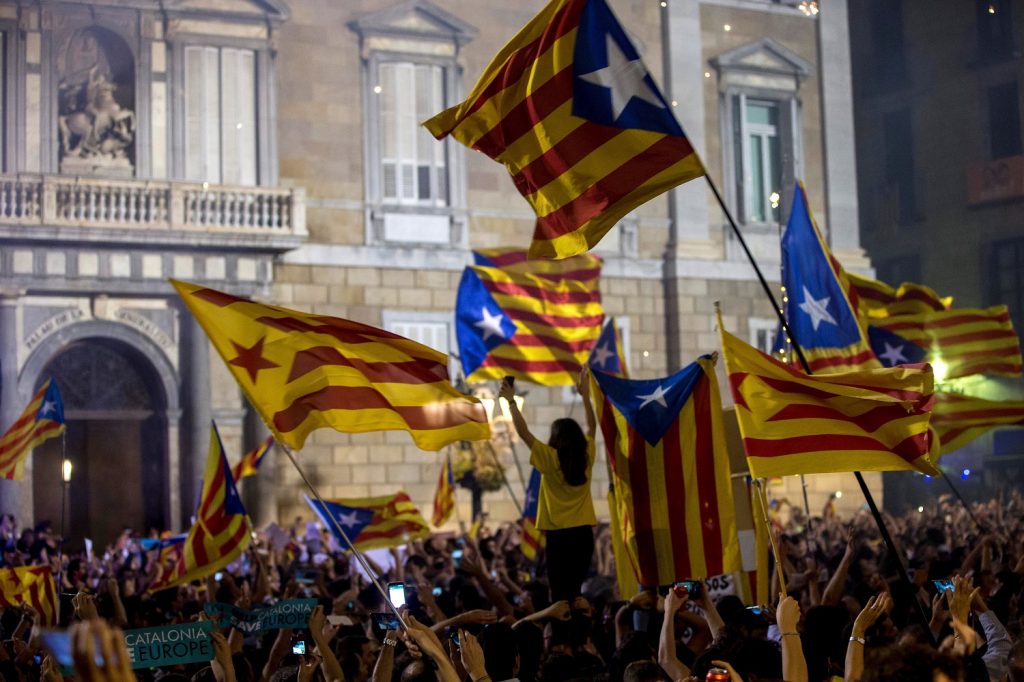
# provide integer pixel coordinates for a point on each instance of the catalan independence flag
(959, 419)
(585, 268)
(221, 530)
(958, 342)
(864, 420)
(304, 372)
(572, 112)
(608, 355)
(671, 472)
(373, 522)
(820, 315)
(532, 328)
(444, 496)
(533, 537)
(878, 299)
(251, 460)
(30, 586)
(42, 419)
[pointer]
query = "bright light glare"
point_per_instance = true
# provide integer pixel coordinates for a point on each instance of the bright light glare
(839, 494)
(940, 369)
(66, 471)
(920, 510)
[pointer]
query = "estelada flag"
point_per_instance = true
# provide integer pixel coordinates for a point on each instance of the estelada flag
(959, 419)
(961, 341)
(585, 268)
(572, 112)
(609, 355)
(532, 328)
(221, 531)
(444, 496)
(671, 472)
(250, 462)
(30, 586)
(373, 522)
(42, 419)
(533, 537)
(865, 420)
(821, 318)
(878, 299)
(303, 372)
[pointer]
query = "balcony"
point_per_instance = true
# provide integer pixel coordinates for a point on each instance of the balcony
(63, 207)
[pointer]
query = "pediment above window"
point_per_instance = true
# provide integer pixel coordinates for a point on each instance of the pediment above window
(274, 10)
(764, 60)
(409, 23)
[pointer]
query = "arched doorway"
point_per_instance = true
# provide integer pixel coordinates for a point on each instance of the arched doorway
(115, 410)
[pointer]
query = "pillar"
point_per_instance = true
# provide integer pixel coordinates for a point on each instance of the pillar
(196, 407)
(11, 403)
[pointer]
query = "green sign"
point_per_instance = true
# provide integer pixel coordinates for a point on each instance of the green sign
(289, 613)
(170, 644)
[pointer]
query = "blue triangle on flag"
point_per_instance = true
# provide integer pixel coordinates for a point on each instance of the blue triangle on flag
(481, 325)
(605, 354)
(232, 500)
(892, 349)
(532, 495)
(52, 407)
(351, 519)
(650, 406)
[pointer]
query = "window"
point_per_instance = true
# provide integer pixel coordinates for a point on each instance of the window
(899, 162)
(431, 329)
(761, 158)
(1004, 120)
(220, 115)
(889, 63)
(412, 162)
(896, 271)
(763, 332)
(3, 101)
(994, 23)
(1008, 278)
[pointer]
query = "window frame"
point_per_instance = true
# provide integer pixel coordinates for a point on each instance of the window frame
(756, 325)
(998, 294)
(11, 62)
(394, 316)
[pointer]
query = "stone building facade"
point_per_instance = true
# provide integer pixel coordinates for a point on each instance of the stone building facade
(272, 150)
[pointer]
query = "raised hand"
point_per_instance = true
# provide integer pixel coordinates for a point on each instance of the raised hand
(871, 613)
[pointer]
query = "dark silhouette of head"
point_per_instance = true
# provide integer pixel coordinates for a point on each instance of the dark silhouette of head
(568, 439)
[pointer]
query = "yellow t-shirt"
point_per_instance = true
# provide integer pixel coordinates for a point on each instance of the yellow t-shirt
(561, 505)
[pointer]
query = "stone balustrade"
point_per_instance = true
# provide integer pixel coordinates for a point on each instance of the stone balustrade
(63, 201)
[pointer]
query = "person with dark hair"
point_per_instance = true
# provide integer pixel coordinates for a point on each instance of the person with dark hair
(565, 508)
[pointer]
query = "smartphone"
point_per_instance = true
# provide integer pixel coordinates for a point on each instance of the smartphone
(218, 576)
(693, 587)
(756, 610)
(306, 576)
(396, 593)
(943, 585)
(299, 647)
(385, 621)
(437, 591)
(457, 557)
(455, 638)
(58, 643)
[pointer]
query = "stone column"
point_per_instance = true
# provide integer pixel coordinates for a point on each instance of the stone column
(195, 438)
(259, 492)
(837, 118)
(11, 403)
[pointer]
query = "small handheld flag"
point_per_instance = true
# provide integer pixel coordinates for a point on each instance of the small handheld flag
(608, 355)
(252, 460)
(373, 522)
(572, 112)
(42, 419)
(444, 497)
(533, 537)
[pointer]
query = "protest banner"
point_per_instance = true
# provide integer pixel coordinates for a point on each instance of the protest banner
(288, 613)
(170, 645)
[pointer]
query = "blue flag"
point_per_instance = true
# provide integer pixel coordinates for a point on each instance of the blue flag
(351, 519)
(892, 349)
(480, 323)
(607, 355)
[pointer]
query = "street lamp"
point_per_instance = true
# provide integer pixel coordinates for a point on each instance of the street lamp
(65, 476)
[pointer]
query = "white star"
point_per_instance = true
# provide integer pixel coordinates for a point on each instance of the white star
(817, 309)
(894, 355)
(624, 78)
(349, 520)
(658, 396)
(491, 324)
(601, 355)
(48, 407)
(530, 499)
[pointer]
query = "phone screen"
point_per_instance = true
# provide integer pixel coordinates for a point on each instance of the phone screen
(385, 621)
(943, 585)
(437, 591)
(305, 576)
(58, 643)
(299, 647)
(457, 557)
(396, 592)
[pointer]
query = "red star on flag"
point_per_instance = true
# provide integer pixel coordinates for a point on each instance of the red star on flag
(251, 359)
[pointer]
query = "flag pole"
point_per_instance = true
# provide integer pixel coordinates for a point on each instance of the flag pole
(65, 486)
(772, 540)
(967, 507)
(872, 506)
(341, 532)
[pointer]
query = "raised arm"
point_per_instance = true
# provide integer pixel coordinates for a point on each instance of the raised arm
(508, 392)
(872, 611)
(583, 386)
(667, 658)
(834, 589)
(794, 667)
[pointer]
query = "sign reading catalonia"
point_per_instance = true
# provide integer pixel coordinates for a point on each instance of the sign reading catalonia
(170, 645)
(288, 613)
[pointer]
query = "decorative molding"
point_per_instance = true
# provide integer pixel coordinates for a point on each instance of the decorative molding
(764, 56)
(415, 20)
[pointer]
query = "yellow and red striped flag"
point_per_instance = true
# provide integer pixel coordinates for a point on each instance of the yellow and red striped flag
(304, 372)
(570, 110)
(221, 530)
(958, 342)
(373, 522)
(42, 419)
(878, 299)
(671, 472)
(251, 460)
(533, 537)
(30, 586)
(444, 496)
(865, 420)
(532, 328)
(959, 419)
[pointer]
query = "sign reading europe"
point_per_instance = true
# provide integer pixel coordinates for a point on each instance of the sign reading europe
(288, 613)
(170, 645)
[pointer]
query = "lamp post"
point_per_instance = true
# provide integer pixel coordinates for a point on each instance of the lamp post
(66, 467)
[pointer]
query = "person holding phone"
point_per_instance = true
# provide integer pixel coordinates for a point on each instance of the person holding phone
(565, 509)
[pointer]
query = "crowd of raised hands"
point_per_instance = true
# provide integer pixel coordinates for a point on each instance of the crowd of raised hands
(477, 610)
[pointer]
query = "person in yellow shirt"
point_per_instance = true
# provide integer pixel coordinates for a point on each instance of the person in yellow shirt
(565, 509)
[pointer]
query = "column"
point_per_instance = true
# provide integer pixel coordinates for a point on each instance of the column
(11, 403)
(196, 407)
(259, 492)
(837, 119)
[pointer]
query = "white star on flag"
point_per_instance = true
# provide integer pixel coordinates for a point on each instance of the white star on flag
(490, 324)
(817, 309)
(601, 355)
(658, 396)
(349, 520)
(48, 407)
(894, 355)
(624, 78)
